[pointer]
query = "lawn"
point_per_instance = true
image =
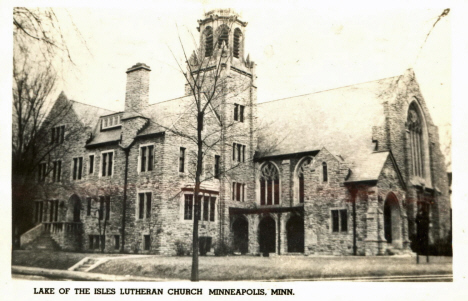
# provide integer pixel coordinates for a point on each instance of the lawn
(49, 259)
(244, 267)
(282, 267)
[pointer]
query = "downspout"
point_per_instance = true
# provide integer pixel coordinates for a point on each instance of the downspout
(124, 202)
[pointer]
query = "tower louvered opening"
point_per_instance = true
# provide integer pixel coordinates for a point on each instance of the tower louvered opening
(237, 42)
(223, 37)
(208, 41)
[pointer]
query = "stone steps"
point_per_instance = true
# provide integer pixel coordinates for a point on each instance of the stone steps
(43, 242)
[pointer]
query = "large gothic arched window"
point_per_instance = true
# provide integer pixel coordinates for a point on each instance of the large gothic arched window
(269, 185)
(300, 175)
(416, 145)
(237, 42)
(208, 33)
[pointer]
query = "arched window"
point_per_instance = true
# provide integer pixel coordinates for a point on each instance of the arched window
(300, 175)
(208, 41)
(324, 172)
(269, 185)
(237, 42)
(415, 128)
(223, 37)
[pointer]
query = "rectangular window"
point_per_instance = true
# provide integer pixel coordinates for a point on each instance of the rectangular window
(141, 206)
(107, 162)
(217, 170)
(182, 159)
(238, 152)
(57, 171)
(77, 168)
(212, 208)
(147, 243)
(57, 135)
(339, 220)
(91, 164)
(239, 112)
(148, 204)
(206, 202)
(238, 191)
(146, 158)
(88, 208)
(188, 206)
(91, 241)
(116, 242)
(144, 205)
(344, 220)
(42, 169)
(236, 112)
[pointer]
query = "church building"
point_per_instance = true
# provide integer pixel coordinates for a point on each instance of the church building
(355, 170)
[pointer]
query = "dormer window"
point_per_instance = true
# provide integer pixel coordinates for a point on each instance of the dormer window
(110, 121)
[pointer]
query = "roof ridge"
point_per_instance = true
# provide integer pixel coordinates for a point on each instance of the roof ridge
(156, 103)
(93, 106)
(317, 92)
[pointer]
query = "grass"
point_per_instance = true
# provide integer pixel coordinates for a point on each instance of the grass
(244, 267)
(283, 267)
(49, 259)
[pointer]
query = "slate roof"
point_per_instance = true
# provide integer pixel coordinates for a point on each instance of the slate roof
(369, 168)
(340, 120)
(89, 114)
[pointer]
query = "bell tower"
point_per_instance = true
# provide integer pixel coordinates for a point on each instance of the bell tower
(221, 43)
(221, 71)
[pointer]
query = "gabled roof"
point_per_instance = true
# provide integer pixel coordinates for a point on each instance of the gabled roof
(369, 168)
(88, 114)
(340, 120)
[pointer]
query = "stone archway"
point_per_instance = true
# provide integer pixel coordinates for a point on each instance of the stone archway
(240, 229)
(267, 235)
(74, 209)
(392, 221)
(295, 234)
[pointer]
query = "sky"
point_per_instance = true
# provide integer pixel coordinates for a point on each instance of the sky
(298, 49)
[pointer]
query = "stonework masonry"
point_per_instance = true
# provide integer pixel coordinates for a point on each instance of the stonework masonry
(312, 199)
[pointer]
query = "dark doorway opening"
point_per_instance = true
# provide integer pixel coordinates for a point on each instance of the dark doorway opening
(267, 235)
(295, 233)
(75, 204)
(388, 222)
(240, 227)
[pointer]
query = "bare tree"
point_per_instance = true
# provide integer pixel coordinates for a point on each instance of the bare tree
(205, 120)
(39, 45)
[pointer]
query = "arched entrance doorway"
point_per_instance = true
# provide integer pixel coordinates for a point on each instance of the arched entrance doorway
(392, 221)
(240, 229)
(295, 234)
(74, 209)
(267, 235)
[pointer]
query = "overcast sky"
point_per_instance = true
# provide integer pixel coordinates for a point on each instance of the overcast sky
(298, 49)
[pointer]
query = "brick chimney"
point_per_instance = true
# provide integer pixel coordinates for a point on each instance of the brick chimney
(137, 90)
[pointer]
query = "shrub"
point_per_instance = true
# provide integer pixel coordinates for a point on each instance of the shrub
(181, 248)
(222, 249)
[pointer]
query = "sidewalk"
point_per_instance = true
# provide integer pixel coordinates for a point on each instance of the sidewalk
(86, 276)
